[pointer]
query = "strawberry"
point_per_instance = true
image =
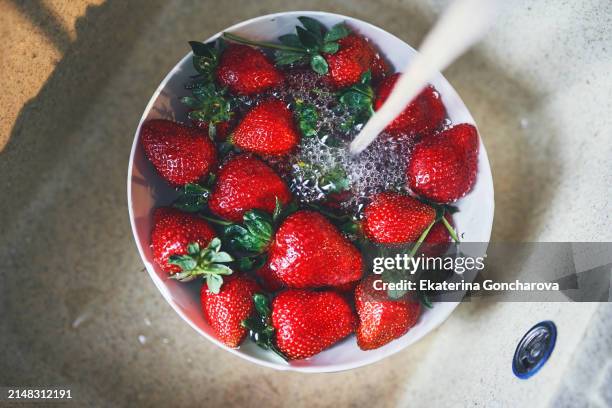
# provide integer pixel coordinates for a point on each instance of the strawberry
(379, 67)
(269, 279)
(339, 54)
(307, 323)
(267, 129)
(246, 71)
(426, 113)
(245, 183)
(224, 311)
(438, 239)
(172, 233)
(180, 154)
(354, 57)
(443, 167)
(382, 319)
(308, 251)
(394, 218)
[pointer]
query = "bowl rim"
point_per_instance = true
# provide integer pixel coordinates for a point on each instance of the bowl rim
(366, 360)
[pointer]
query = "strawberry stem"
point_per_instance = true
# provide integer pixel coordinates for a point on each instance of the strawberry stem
(264, 44)
(416, 246)
(216, 221)
(451, 230)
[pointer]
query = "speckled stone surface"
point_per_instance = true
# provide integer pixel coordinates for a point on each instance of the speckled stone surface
(77, 308)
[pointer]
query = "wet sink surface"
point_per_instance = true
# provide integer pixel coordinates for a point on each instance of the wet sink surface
(79, 310)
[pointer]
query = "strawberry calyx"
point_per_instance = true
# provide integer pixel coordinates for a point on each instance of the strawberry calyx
(251, 239)
(192, 197)
(207, 103)
(358, 100)
(205, 58)
(310, 41)
(254, 236)
(260, 326)
(318, 180)
(208, 262)
(441, 210)
(307, 117)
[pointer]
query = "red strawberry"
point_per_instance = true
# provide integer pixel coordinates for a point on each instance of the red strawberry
(245, 183)
(267, 129)
(226, 310)
(379, 67)
(308, 252)
(443, 167)
(246, 70)
(381, 319)
(355, 56)
(173, 231)
(424, 114)
(348, 287)
(180, 154)
(307, 322)
(394, 218)
(268, 277)
(438, 239)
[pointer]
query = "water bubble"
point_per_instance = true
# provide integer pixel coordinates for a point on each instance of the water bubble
(380, 167)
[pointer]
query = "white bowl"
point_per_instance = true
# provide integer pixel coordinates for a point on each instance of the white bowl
(146, 190)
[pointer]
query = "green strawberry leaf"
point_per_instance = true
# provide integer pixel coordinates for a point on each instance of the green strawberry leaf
(394, 276)
(292, 40)
(323, 181)
(185, 262)
(260, 326)
(288, 57)
(318, 64)
(205, 58)
(192, 198)
(193, 248)
(336, 33)
(308, 39)
(311, 39)
(203, 50)
(214, 283)
(261, 305)
(253, 236)
(283, 211)
(252, 262)
(424, 299)
(208, 262)
(330, 47)
(209, 104)
(358, 100)
(221, 257)
(307, 118)
(314, 27)
(334, 181)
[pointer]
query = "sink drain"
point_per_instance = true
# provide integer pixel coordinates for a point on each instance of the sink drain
(534, 349)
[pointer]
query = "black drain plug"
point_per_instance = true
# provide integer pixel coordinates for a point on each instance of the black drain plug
(534, 349)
